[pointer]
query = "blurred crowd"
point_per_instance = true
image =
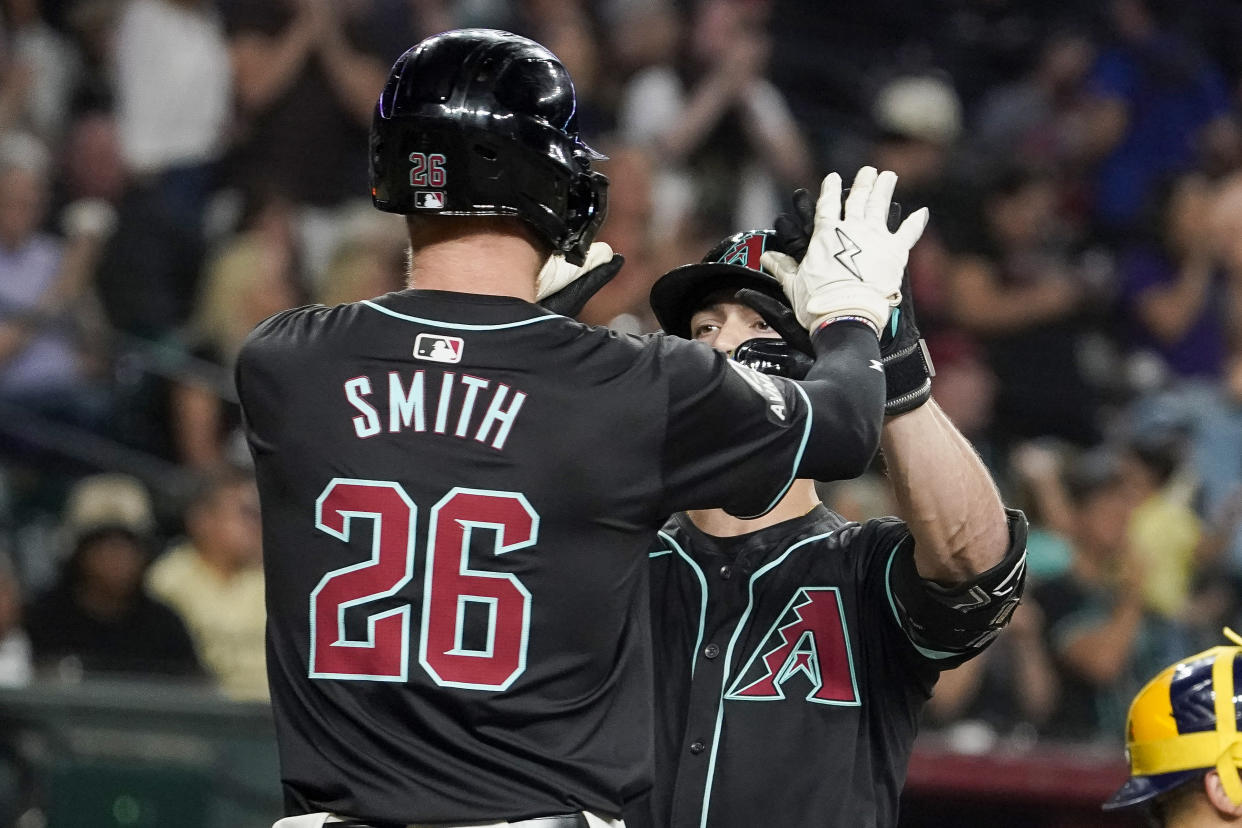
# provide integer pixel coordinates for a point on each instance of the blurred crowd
(174, 171)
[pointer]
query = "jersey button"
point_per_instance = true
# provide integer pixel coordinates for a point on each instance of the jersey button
(726, 572)
(697, 747)
(711, 651)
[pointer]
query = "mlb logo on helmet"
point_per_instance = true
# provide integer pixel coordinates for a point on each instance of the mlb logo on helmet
(429, 199)
(437, 348)
(746, 251)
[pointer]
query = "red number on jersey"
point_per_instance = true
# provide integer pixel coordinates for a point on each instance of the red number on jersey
(384, 655)
(449, 587)
(452, 586)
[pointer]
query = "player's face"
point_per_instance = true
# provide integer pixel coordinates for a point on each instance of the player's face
(725, 325)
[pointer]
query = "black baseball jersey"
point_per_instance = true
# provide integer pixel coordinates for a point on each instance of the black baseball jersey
(459, 493)
(791, 667)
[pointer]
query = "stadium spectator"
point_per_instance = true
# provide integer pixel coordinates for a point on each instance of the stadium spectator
(170, 138)
(1101, 637)
(98, 620)
(304, 68)
(43, 69)
(917, 120)
(1023, 294)
(369, 260)
(1037, 469)
(15, 659)
(47, 318)
(722, 132)
(1010, 688)
(214, 580)
(249, 280)
(1152, 93)
(1040, 118)
(1172, 288)
(1164, 532)
(632, 227)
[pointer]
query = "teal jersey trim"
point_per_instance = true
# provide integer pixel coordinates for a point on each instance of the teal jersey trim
(726, 677)
(698, 573)
(459, 326)
(793, 474)
(892, 603)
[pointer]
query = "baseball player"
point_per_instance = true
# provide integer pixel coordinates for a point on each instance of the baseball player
(793, 652)
(1183, 743)
(459, 487)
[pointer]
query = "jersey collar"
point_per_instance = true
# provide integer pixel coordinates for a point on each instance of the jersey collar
(753, 549)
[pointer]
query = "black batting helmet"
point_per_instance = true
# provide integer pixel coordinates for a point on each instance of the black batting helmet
(480, 122)
(731, 264)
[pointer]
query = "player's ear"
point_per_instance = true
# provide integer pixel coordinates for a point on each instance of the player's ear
(1220, 800)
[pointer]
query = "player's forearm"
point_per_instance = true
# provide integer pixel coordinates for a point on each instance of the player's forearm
(946, 496)
(846, 391)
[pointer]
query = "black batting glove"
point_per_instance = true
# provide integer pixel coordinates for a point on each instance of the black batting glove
(790, 356)
(908, 366)
(571, 299)
(793, 229)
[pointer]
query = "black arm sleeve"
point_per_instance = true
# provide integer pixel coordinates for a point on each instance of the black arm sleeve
(737, 438)
(846, 390)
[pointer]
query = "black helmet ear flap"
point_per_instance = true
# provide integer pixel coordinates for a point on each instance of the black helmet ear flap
(587, 209)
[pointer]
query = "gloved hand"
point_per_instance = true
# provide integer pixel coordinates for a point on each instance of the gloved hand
(908, 366)
(565, 288)
(853, 264)
(790, 356)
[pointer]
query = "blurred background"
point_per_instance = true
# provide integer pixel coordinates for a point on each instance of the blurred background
(174, 171)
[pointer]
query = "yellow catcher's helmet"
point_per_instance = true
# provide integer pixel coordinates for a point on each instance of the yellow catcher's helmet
(1183, 723)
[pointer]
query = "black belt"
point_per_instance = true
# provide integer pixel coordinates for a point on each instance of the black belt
(577, 820)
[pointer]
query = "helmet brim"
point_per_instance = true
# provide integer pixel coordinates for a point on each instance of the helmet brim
(677, 295)
(1139, 790)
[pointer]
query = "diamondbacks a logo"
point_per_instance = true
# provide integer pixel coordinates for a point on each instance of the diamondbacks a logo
(806, 650)
(746, 252)
(437, 348)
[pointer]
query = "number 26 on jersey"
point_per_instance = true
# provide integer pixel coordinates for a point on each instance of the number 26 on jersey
(451, 588)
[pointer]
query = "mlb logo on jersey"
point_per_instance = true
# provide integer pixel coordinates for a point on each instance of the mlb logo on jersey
(429, 200)
(436, 348)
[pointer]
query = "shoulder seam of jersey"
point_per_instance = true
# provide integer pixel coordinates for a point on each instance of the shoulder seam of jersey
(675, 547)
(461, 326)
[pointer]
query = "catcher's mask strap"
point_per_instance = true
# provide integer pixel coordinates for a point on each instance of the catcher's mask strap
(1227, 722)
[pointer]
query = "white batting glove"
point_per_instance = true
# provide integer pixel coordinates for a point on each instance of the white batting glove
(853, 265)
(556, 273)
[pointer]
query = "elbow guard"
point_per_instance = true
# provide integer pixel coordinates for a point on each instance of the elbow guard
(955, 622)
